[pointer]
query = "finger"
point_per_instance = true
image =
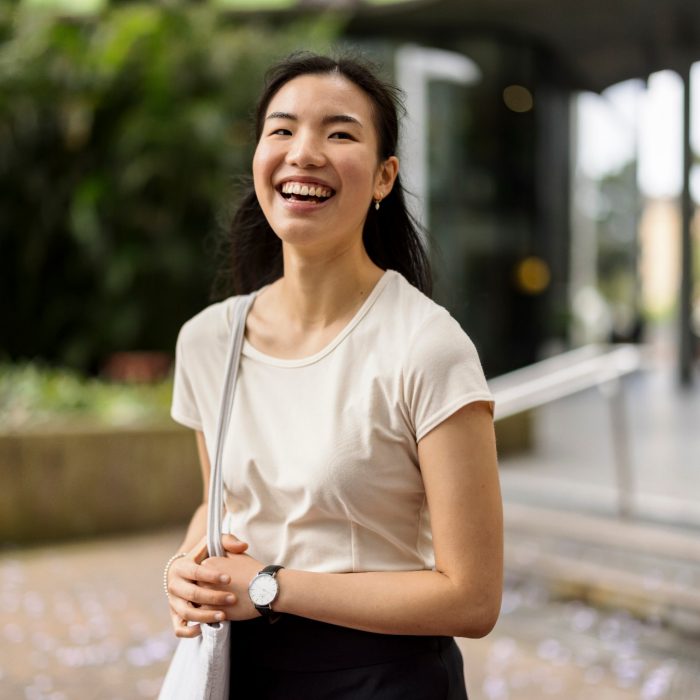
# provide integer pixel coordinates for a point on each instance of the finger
(200, 615)
(199, 552)
(231, 543)
(188, 632)
(182, 629)
(196, 572)
(231, 536)
(235, 547)
(201, 596)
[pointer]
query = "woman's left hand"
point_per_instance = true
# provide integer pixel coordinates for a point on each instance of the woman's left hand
(241, 568)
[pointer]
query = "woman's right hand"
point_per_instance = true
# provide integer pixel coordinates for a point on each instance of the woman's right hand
(190, 603)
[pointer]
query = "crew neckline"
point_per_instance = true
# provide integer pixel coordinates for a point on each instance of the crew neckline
(250, 351)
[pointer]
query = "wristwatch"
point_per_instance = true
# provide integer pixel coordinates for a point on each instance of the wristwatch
(264, 589)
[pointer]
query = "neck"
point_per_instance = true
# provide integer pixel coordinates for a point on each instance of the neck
(316, 291)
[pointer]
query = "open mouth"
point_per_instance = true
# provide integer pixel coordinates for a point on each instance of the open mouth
(305, 192)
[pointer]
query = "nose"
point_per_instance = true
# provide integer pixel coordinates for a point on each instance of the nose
(305, 150)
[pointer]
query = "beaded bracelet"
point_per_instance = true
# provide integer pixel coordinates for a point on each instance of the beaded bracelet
(167, 569)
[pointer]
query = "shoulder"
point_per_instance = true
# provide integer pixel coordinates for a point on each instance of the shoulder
(440, 368)
(210, 326)
(424, 326)
(406, 298)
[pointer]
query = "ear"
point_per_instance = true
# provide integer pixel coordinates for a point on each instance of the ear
(385, 178)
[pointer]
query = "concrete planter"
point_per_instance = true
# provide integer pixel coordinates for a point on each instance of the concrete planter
(67, 483)
(515, 433)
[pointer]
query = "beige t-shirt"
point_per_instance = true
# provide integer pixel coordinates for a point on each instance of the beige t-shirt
(321, 467)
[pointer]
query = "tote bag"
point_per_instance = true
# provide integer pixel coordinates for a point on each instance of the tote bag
(200, 667)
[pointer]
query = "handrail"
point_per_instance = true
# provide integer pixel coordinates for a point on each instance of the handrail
(587, 367)
(562, 375)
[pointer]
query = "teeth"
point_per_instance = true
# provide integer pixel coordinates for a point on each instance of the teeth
(306, 190)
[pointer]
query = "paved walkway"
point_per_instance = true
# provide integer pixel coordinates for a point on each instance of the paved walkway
(88, 622)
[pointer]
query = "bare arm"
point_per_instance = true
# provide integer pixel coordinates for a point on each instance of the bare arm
(197, 528)
(462, 596)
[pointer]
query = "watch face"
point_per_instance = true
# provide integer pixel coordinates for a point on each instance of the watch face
(263, 589)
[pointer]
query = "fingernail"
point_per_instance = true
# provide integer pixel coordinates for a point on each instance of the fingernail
(230, 599)
(219, 616)
(224, 579)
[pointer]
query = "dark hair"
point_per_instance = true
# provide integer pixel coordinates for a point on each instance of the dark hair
(392, 239)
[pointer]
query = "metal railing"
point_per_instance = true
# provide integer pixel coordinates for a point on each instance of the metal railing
(592, 366)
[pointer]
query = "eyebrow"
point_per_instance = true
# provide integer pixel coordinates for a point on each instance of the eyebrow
(328, 119)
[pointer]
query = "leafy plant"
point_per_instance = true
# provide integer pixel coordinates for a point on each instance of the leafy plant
(32, 395)
(120, 140)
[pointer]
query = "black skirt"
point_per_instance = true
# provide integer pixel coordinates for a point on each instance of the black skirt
(300, 659)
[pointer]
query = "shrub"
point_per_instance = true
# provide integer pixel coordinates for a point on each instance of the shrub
(120, 140)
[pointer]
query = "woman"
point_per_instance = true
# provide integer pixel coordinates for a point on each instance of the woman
(362, 457)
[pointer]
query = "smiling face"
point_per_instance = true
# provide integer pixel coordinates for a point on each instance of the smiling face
(316, 168)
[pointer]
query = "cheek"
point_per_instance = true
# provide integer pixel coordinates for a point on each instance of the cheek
(356, 171)
(262, 170)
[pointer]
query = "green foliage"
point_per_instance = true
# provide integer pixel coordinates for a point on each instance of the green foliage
(120, 140)
(32, 396)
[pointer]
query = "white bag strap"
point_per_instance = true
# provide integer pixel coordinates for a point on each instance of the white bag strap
(215, 509)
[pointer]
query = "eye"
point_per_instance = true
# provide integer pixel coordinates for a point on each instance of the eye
(281, 132)
(341, 135)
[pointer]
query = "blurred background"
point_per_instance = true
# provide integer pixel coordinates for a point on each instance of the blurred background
(553, 152)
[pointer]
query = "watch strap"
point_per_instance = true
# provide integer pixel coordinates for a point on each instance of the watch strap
(266, 610)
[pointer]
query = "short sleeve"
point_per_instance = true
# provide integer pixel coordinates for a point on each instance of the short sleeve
(442, 373)
(184, 406)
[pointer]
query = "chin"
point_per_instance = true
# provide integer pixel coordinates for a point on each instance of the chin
(300, 235)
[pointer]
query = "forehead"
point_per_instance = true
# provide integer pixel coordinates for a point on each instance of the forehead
(320, 95)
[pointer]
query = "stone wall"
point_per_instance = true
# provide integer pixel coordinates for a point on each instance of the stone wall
(59, 484)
